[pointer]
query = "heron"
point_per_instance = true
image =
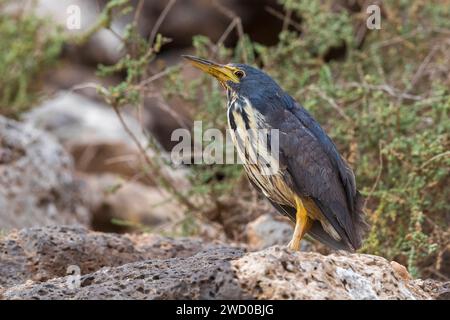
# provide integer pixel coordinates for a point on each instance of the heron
(313, 185)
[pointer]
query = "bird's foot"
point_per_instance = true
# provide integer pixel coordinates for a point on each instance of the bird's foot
(294, 245)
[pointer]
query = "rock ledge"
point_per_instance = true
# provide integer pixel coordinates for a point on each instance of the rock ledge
(34, 262)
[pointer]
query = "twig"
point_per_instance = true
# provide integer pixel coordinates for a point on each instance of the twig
(119, 159)
(437, 273)
(158, 23)
(280, 16)
(225, 35)
(138, 11)
(155, 77)
(395, 40)
(333, 103)
(287, 20)
(447, 153)
(86, 157)
(163, 106)
(116, 34)
(378, 178)
(422, 66)
(152, 39)
(386, 88)
(150, 163)
(89, 85)
(233, 16)
(104, 21)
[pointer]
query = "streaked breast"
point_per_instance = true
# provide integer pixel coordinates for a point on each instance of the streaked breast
(248, 130)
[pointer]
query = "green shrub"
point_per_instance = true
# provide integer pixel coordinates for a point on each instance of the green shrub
(385, 101)
(386, 107)
(28, 46)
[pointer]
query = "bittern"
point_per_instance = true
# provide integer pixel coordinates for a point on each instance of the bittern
(313, 184)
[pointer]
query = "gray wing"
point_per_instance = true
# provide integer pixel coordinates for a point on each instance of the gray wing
(346, 175)
(319, 172)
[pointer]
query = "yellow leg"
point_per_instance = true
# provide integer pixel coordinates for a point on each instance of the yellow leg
(302, 225)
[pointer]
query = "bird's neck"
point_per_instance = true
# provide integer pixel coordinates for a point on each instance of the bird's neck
(230, 94)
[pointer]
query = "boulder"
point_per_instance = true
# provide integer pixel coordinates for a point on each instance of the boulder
(103, 47)
(132, 202)
(266, 231)
(277, 273)
(37, 185)
(77, 120)
(41, 254)
(34, 264)
(93, 134)
(123, 206)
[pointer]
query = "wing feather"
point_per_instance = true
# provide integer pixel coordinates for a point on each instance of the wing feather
(345, 172)
(319, 172)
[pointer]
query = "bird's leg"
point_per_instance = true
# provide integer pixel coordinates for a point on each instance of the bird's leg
(302, 225)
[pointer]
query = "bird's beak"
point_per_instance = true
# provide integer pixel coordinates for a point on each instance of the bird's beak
(223, 73)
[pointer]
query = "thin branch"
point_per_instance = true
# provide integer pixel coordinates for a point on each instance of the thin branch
(282, 17)
(225, 35)
(423, 66)
(159, 22)
(386, 88)
(395, 40)
(165, 107)
(380, 171)
(333, 103)
(233, 16)
(89, 85)
(151, 164)
(120, 159)
(287, 20)
(155, 77)
(116, 34)
(426, 163)
(138, 11)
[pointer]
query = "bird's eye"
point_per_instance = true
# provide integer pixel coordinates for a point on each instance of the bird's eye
(239, 73)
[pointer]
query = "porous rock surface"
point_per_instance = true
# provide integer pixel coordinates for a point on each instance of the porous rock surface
(37, 185)
(277, 273)
(33, 265)
(40, 254)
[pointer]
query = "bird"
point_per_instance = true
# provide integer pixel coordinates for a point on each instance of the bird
(311, 183)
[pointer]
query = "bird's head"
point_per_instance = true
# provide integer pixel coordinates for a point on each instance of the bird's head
(242, 79)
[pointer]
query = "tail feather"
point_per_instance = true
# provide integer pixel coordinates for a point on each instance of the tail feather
(318, 233)
(351, 226)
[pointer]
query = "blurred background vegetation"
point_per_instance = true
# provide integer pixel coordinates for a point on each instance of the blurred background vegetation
(382, 95)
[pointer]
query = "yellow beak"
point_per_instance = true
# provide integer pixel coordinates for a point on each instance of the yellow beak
(223, 73)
